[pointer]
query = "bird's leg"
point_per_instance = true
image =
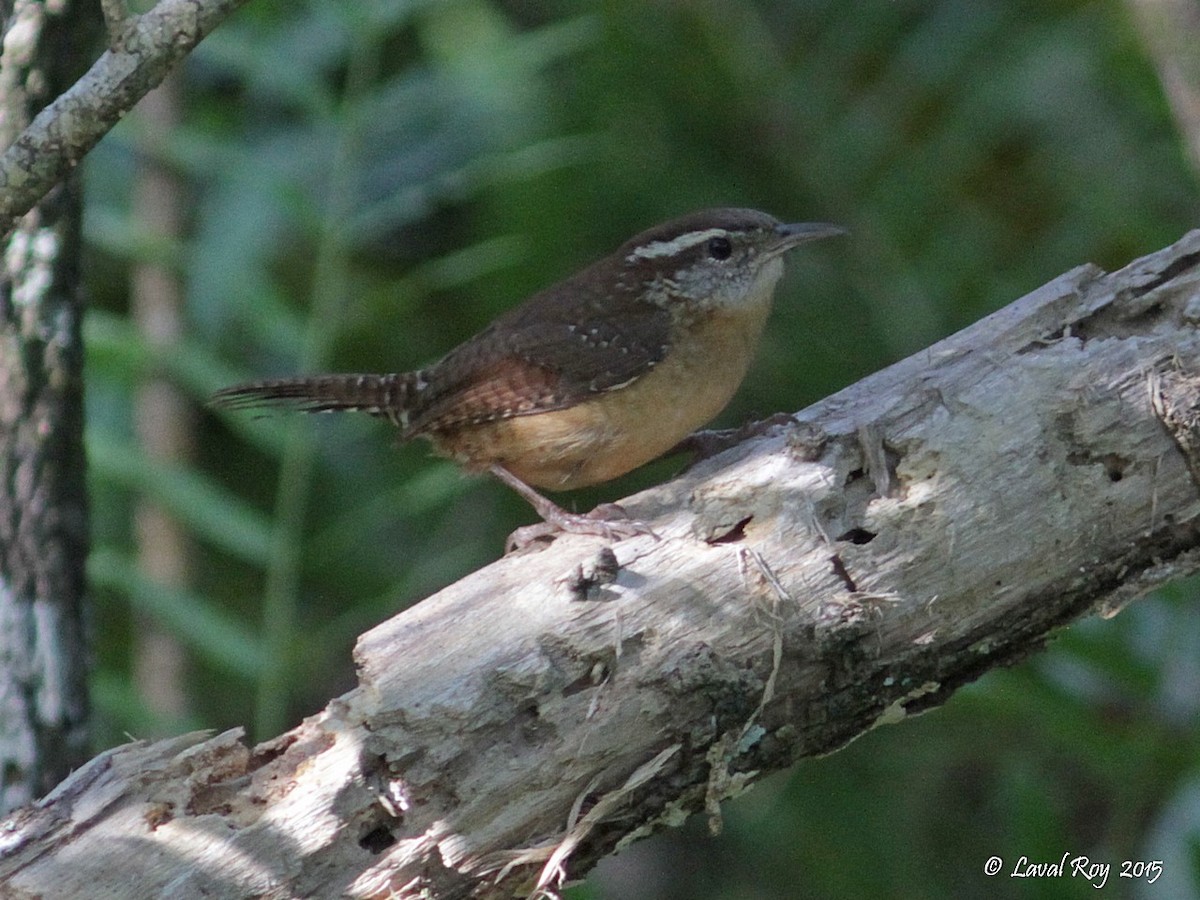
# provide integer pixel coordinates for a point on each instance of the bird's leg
(608, 521)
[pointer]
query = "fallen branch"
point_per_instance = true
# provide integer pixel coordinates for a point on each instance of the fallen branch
(929, 523)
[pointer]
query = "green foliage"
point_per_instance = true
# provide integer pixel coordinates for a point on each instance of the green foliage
(368, 183)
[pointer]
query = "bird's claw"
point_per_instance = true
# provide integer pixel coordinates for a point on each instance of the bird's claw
(608, 521)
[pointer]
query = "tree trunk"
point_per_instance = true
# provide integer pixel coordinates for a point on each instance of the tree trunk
(902, 537)
(43, 500)
(163, 417)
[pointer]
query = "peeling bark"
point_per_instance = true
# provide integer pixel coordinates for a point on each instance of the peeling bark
(902, 537)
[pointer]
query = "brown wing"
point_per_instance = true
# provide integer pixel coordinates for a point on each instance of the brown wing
(558, 348)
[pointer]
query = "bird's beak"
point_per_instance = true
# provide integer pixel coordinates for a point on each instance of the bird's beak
(802, 232)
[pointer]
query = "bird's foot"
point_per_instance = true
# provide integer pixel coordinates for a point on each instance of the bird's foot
(703, 444)
(608, 521)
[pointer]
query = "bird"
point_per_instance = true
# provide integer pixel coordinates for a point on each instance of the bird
(589, 378)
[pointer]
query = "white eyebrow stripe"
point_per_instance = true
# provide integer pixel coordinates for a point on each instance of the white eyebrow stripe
(675, 245)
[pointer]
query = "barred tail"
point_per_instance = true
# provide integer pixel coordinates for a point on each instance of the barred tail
(379, 395)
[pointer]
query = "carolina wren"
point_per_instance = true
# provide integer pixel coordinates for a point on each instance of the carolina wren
(593, 376)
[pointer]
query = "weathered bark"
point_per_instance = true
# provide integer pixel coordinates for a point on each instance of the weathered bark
(144, 48)
(43, 501)
(934, 521)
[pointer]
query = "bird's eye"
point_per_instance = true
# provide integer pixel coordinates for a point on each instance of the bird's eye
(719, 248)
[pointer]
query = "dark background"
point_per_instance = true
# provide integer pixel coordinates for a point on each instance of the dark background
(362, 185)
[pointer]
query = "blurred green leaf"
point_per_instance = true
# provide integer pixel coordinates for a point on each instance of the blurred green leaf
(211, 512)
(195, 621)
